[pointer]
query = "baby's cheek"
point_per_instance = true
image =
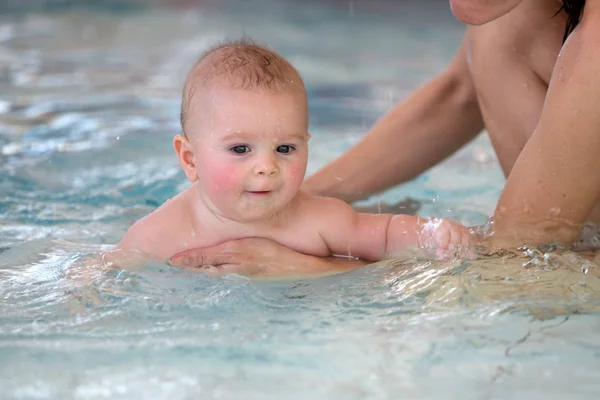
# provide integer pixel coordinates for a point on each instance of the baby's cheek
(295, 176)
(295, 173)
(223, 178)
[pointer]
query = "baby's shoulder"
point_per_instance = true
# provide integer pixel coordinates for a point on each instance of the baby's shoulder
(157, 233)
(318, 206)
(171, 214)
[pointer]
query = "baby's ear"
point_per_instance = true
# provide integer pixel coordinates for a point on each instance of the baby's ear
(185, 155)
(308, 136)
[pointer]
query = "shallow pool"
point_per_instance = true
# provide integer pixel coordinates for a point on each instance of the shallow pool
(89, 103)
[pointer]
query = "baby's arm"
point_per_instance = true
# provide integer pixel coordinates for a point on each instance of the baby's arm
(136, 246)
(376, 237)
(150, 239)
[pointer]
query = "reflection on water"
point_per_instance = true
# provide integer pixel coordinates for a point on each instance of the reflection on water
(492, 327)
(89, 102)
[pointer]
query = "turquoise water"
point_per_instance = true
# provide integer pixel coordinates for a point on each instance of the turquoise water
(89, 102)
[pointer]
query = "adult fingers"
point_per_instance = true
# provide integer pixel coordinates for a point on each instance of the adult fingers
(217, 255)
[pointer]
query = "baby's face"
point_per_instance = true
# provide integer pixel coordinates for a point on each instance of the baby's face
(250, 150)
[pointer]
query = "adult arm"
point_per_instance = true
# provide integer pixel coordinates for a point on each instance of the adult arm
(419, 132)
(555, 183)
(262, 258)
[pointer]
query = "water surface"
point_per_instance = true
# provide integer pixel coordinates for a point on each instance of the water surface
(89, 103)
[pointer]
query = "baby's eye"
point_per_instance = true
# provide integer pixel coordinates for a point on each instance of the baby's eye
(241, 149)
(285, 149)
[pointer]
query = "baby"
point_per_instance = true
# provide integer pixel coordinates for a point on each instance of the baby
(244, 148)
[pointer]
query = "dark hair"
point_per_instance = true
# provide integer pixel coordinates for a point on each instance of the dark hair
(574, 9)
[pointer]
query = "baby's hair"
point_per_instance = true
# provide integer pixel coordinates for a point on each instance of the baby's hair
(239, 64)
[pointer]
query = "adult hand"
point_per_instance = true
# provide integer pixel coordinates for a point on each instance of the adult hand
(260, 258)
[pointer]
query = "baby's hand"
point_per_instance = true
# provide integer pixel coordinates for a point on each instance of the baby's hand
(446, 238)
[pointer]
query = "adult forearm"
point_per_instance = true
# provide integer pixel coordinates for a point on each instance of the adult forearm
(419, 132)
(261, 258)
(302, 266)
(555, 184)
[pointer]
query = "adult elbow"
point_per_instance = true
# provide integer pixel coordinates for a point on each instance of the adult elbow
(460, 89)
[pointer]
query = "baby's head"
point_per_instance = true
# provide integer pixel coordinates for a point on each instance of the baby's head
(244, 117)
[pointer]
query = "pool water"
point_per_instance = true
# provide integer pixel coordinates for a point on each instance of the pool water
(89, 103)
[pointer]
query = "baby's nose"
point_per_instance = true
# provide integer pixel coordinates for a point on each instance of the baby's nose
(266, 166)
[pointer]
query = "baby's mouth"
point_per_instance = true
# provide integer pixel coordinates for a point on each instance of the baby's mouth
(259, 192)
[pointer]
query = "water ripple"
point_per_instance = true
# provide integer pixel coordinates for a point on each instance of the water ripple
(89, 104)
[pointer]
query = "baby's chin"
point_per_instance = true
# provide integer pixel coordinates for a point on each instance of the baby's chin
(256, 214)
